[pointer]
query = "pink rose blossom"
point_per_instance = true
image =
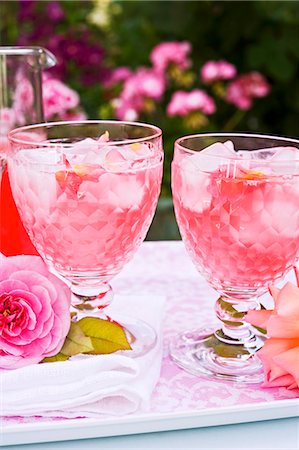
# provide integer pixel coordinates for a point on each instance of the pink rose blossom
(182, 103)
(217, 70)
(34, 311)
(245, 88)
(168, 53)
(280, 353)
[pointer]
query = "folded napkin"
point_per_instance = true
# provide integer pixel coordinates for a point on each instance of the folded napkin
(88, 386)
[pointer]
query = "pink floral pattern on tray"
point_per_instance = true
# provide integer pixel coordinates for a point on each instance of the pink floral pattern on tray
(165, 268)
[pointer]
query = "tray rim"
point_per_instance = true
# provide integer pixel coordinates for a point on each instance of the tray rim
(87, 428)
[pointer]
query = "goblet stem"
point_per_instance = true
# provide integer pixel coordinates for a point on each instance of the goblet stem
(227, 353)
(90, 300)
(235, 330)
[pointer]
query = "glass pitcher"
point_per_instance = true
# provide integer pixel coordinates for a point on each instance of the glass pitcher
(20, 104)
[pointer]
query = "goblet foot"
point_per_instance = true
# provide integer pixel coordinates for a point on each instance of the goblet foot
(200, 352)
(92, 301)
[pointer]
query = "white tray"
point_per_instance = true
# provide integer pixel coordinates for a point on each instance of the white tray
(180, 400)
(47, 431)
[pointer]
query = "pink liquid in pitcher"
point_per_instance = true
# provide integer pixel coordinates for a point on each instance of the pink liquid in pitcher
(14, 239)
(241, 230)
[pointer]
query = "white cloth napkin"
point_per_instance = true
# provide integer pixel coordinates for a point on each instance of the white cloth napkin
(88, 386)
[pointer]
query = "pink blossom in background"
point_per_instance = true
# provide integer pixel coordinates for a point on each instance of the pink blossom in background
(178, 104)
(59, 101)
(7, 120)
(217, 70)
(58, 98)
(118, 75)
(245, 88)
(54, 11)
(23, 98)
(73, 115)
(34, 311)
(182, 103)
(143, 84)
(280, 353)
(150, 83)
(127, 109)
(168, 53)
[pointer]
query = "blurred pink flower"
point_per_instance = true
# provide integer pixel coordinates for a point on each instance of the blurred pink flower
(145, 83)
(168, 53)
(7, 120)
(280, 353)
(58, 98)
(23, 98)
(182, 103)
(138, 87)
(73, 115)
(245, 88)
(34, 311)
(217, 70)
(118, 75)
(127, 109)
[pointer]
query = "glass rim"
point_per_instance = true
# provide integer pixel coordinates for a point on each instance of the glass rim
(14, 139)
(178, 143)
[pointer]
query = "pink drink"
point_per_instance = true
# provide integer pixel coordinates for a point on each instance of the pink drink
(86, 219)
(241, 227)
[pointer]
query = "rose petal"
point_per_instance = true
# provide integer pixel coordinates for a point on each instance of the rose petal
(13, 264)
(9, 285)
(281, 381)
(271, 349)
(14, 350)
(258, 318)
(28, 301)
(274, 291)
(282, 327)
(288, 301)
(42, 293)
(289, 361)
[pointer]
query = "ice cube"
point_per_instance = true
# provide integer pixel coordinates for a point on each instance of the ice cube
(271, 153)
(34, 171)
(285, 159)
(42, 156)
(211, 158)
(82, 147)
(285, 154)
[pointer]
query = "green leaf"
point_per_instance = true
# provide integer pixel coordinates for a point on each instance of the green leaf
(106, 336)
(225, 350)
(76, 342)
(260, 330)
(58, 357)
(229, 309)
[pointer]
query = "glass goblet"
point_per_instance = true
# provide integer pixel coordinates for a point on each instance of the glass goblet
(87, 192)
(236, 199)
